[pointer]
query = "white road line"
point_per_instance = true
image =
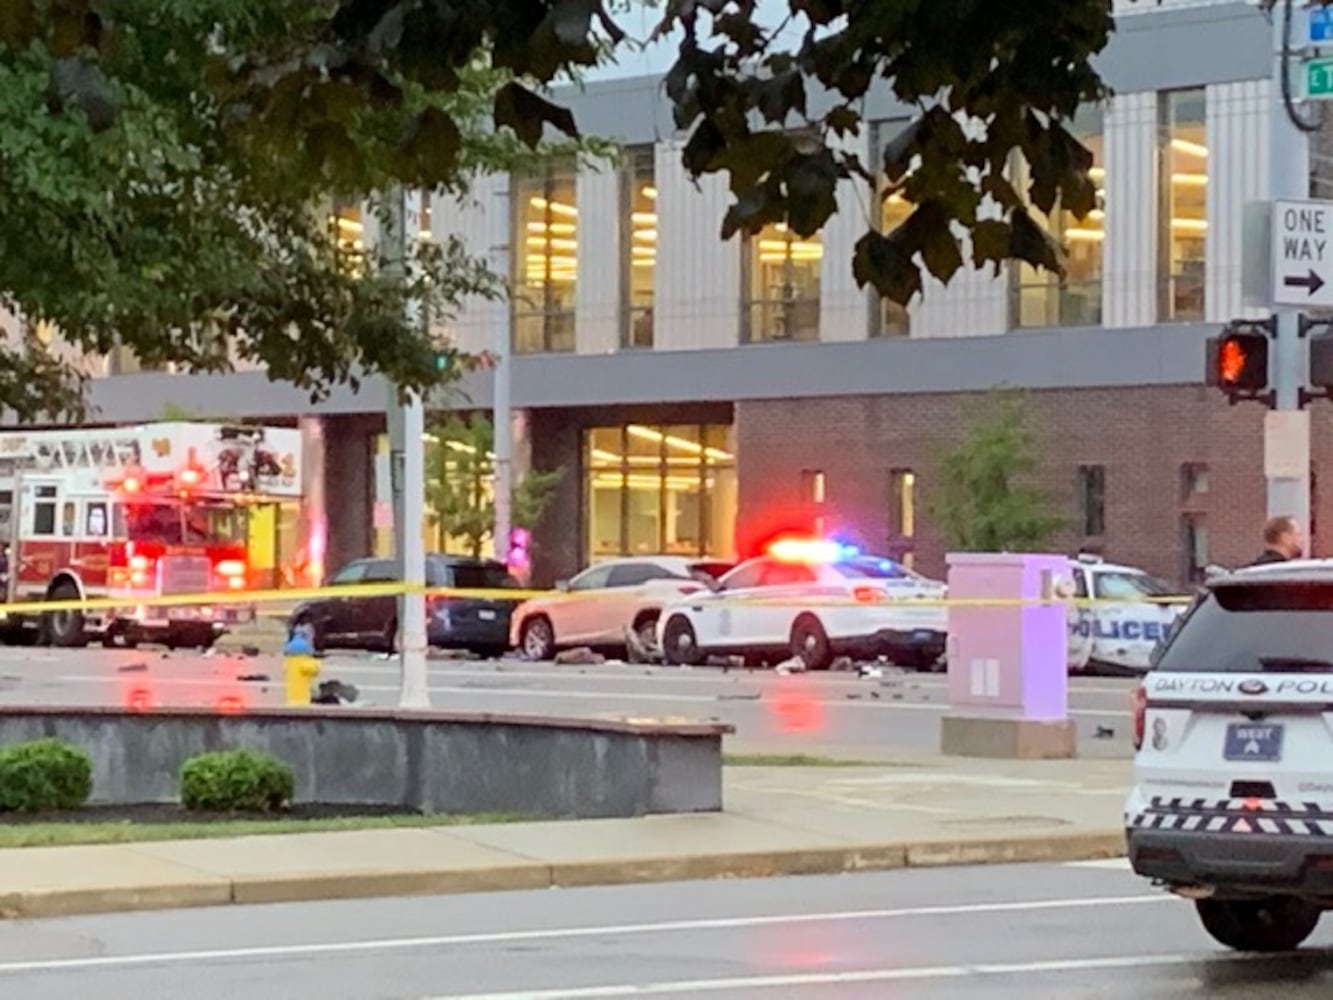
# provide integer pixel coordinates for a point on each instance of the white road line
(1108, 864)
(559, 934)
(613, 696)
(864, 976)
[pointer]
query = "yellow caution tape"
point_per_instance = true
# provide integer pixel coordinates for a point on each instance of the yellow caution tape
(231, 598)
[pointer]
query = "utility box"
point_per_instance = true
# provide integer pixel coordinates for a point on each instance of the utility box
(1008, 661)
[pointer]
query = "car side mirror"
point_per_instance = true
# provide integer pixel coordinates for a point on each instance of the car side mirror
(562, 586)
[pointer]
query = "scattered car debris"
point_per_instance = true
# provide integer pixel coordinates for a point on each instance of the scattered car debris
(581, 655)
(334, 692)
(132, 668)
(1105, 732)
(865, 670)
(746, 696)
(250, 651)
(842, 664)
(254, 678)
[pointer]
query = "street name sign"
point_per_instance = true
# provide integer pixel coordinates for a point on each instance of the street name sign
(1320, 25)
(1303, 253)
(1319, 79)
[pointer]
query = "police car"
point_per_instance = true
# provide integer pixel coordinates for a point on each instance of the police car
(1232, 801)
(1120, 636)
(813, 599)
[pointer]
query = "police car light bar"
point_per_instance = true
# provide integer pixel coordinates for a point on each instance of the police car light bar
(811, 550)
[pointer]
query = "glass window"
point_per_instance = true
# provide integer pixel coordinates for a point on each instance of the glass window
(381, 571)
(1245, 628)
(902, 515)
(1183, 215)
(351, 573)
(782, 286)
(1042, 299)
(483, 576)
(634, 574)
(660, 490)
(44, 511)
(1127, 587)
(69, 517)
(546, 264)
(1092, 498)
(888, 318)
(594, 578)
(746, 575)
(1194, 531)
(96, 520)
(640, 248)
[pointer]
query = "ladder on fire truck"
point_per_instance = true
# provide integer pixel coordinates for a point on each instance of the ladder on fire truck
(61, 450)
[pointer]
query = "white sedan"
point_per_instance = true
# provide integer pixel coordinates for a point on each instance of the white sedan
(595, 608)
(814, 600)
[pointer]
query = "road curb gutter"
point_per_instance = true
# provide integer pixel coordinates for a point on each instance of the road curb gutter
(320, 886)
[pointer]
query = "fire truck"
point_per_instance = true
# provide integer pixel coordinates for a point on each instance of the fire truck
(132, 513)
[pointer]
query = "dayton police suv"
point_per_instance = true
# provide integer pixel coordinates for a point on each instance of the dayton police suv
(1232, 804)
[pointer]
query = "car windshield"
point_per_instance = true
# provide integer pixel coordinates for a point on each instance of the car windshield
(1244, 628)
(1116, 586)
(486, 576)
(174, 523)
(869, 568)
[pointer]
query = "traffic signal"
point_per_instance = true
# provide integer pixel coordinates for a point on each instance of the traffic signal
(1237, 361)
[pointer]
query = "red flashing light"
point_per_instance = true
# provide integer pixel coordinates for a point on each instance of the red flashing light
(191, 477)
(131, 484)
(808, 550)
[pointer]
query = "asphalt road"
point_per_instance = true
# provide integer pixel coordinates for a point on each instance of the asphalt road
(832, 713)
(990, 932)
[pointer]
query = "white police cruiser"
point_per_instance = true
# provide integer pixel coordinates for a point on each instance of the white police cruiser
(1117, 637)
(1232, 803)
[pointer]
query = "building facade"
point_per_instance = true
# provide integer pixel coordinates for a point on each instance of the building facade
(701, 394)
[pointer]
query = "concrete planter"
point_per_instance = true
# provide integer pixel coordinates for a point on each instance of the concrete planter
(442, 762)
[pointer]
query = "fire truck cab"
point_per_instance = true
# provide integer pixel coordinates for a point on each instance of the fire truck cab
(135, 513)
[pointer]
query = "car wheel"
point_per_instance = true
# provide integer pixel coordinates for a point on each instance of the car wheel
(810, 643)
(536, 638)
(645, 628)
(66, 628)
(1281, 923)
(680, 646)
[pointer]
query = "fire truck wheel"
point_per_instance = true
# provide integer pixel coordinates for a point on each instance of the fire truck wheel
(66, 627)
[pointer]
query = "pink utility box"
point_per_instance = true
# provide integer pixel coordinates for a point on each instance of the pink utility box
(1008, 664)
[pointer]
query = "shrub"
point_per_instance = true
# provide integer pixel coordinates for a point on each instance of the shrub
(44, 776)
(236, 781)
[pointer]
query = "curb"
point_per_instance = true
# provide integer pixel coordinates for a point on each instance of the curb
(317, 887)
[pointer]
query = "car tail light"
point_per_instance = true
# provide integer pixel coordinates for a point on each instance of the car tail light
(1140, 705)
(867, 595)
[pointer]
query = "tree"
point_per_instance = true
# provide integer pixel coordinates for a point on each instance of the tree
(158, 159)
(982, 504)
(459, 483)
(145, 206)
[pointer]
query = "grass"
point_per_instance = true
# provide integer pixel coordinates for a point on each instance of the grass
(124, 832)
(793, 760)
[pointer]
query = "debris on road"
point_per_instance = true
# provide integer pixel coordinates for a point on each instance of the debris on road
(748, 696)
(132, 668)
(865, 670)
(580, 656)
(1105, 733)
(253, 678)
(334, 692)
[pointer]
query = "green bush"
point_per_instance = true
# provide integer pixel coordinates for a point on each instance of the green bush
(236, 781)
(44, 776)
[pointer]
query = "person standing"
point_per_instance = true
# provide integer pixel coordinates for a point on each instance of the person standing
(1282, 541)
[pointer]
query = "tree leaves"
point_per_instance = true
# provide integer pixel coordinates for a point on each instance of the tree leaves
(528, 114)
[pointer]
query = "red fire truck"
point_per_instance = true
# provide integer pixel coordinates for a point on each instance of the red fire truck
(136, 512)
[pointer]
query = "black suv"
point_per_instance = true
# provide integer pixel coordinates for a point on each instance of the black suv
(477, 624)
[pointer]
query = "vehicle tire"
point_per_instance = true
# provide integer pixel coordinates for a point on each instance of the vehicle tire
(65, 628)
(645, 627)
(536, 638)
(680, 646)
(810, 643)
(1280, 923)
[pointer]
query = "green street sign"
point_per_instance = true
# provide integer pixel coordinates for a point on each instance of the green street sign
(1319, 79)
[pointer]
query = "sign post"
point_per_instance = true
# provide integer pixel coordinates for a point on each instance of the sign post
(1303, 253)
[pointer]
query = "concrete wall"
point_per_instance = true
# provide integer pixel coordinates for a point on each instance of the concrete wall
(436, 762)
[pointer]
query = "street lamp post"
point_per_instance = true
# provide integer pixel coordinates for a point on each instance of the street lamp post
(407, 475)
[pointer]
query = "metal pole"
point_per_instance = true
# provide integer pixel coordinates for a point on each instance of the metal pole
(407, 474)
(502, 411)
(1289, 177)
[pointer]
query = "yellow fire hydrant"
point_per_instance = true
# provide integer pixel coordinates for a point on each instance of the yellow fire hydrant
(298, 660)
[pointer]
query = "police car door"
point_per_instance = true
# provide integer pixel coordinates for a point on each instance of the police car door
(1080, 621)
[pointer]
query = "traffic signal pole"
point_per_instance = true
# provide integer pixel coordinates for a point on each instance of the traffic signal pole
(1287, 425)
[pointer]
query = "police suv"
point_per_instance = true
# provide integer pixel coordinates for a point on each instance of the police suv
(1232, 802)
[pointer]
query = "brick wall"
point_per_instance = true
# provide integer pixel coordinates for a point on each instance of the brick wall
(1141, 435)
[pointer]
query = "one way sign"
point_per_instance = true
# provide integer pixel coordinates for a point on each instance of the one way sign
(1302, 253)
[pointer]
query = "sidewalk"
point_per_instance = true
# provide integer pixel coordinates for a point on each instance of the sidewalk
(920, 811)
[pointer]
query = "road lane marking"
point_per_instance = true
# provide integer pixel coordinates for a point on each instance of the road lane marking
(564, 933)
(796, 980)
(741, 698)
(1107, 864)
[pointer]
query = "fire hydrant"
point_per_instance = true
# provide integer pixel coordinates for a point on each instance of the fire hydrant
(298, 660)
